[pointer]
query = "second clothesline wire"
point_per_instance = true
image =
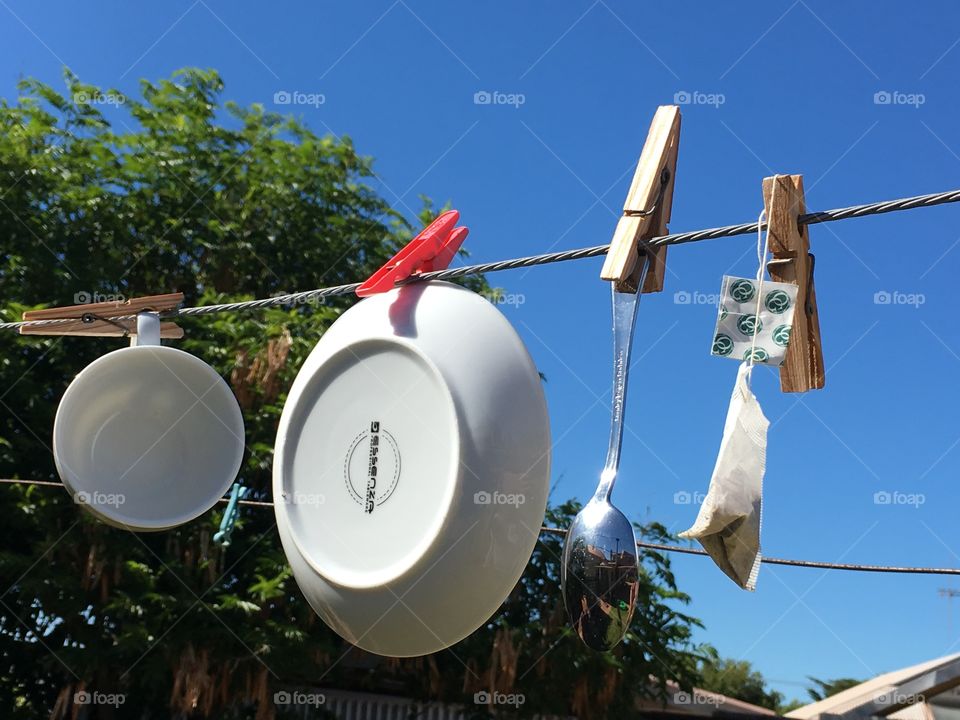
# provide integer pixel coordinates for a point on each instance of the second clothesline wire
(660, 547)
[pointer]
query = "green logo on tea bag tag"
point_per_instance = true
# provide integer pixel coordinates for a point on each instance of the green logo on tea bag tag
(749, 325)
(742, 291)
(722, 345)
(777, 302)
(781, 335)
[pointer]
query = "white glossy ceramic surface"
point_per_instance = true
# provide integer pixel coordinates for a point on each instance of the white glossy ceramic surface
(411, 468)
(148, 437)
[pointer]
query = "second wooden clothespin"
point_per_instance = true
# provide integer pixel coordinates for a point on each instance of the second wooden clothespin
(789, 245)
(99, 319)
(647, 208)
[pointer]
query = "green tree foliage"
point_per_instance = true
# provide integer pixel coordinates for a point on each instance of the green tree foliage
(180, 191)
(738, 679)
(823, 689)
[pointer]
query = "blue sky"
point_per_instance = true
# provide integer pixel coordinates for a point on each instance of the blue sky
(782, 87)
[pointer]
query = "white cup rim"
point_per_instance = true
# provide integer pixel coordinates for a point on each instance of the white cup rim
(115, 517)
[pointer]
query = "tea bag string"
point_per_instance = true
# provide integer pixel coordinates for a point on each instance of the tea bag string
(763, 251)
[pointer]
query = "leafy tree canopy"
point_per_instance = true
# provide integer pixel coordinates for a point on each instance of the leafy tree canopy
(738, 679)
(822, 689)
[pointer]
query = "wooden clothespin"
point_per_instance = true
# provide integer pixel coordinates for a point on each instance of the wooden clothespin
(789, 245)
(94, 319)
(647, 209)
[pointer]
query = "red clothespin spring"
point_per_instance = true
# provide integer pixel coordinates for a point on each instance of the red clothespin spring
(433, 249)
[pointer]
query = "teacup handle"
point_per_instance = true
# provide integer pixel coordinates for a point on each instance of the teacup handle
(148, 329)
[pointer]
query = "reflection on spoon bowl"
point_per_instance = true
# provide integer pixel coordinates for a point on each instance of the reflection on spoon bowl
(600, 574)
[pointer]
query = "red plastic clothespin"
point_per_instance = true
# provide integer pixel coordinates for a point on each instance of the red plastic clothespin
(433, 249)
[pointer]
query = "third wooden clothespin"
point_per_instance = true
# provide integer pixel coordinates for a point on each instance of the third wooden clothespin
(647, 209)
(789, 246)
(101, 319)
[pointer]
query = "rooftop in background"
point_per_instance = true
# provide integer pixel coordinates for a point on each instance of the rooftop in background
(700, 703)
(927, 691)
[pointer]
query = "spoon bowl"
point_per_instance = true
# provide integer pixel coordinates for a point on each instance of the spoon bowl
(599, 569)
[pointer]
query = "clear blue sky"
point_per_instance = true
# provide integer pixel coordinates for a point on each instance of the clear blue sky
(798, 81)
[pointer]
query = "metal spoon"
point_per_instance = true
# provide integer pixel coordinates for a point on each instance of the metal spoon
(599, 571)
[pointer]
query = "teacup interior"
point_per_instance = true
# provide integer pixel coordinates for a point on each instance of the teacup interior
(148, 437)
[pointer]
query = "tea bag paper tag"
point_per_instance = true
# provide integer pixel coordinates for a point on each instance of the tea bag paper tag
(746, 307)
(728, 525)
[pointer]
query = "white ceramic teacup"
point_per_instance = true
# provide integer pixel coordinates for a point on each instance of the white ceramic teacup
(148, 437)
(411, 468)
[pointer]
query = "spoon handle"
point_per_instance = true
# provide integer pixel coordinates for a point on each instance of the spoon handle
(624, 321)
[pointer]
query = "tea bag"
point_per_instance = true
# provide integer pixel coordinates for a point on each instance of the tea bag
(728, 525)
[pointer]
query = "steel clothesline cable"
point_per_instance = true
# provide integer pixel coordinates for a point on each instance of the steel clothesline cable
(854, 567)
(812, 218)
